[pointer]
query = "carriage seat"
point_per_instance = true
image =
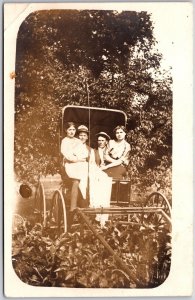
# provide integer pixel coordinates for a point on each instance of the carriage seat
(121, 191)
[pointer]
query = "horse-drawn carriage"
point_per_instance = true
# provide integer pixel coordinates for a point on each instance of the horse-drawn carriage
(51, 204)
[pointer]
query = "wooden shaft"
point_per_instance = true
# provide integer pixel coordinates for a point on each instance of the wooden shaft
(112, 210)
(166, 216)
(107, 246)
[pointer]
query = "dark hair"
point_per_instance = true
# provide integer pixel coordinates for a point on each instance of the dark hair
(119, 127)
(68, 125)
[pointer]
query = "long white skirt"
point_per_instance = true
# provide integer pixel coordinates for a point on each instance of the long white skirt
(100, 187)
(80, 171)
(99, 183)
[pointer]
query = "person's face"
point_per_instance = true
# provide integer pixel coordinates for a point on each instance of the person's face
(120, 134)
(70, 132)
(83, 136)
(102, 142)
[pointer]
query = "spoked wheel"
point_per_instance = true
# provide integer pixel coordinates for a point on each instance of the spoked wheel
(40, 204)
(58, 216)
(158, 200)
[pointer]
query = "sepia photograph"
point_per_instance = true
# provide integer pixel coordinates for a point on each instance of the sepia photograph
(91, 169)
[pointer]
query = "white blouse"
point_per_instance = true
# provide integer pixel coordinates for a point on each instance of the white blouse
(73, 148)
(119, 150)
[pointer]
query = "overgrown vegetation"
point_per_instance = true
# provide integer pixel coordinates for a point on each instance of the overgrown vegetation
(42, 257)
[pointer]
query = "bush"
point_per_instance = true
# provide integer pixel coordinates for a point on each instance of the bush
(41, 257)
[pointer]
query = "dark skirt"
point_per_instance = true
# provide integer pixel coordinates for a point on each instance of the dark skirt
(118, 172)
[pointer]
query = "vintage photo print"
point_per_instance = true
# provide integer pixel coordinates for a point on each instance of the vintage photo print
(98, 149)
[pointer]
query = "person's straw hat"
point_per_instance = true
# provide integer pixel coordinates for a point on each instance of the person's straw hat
(104, 134)
(82, 128)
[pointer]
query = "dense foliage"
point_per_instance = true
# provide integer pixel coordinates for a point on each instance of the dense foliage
(42, 257)
(65, 56)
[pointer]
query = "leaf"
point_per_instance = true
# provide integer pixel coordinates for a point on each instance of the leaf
(142, 228)
(82, 281)
(27, 250)
(151, 226)
(133, 285)
(93, 277)
(47, 241)
(59, 269)
(87, 251)
(155, 258)
(103, 283)
(52, 249)
(118, 271)
(79, 245)
(16, 251)
(70, 275)
(34, 278)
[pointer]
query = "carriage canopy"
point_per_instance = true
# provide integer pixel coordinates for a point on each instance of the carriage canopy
(96, 119)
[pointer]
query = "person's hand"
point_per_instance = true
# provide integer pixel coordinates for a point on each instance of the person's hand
(82, 160)
(74, 160)
(103, 167)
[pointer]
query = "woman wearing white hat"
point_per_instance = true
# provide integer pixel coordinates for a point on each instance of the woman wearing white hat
(83, 135)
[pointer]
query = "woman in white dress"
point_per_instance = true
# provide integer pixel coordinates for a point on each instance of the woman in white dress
(75, 163)
(83, 135)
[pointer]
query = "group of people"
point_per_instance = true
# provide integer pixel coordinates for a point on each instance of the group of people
(92, 170)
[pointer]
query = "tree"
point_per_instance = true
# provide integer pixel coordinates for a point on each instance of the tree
(58, 53)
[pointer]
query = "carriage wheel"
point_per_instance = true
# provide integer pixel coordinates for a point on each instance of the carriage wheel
(40, 204)
(58, 216)
(156, 199)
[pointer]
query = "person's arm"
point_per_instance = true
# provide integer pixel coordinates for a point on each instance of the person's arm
(68, 152)
(125, 158)
(116, 162)
(107, 157)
